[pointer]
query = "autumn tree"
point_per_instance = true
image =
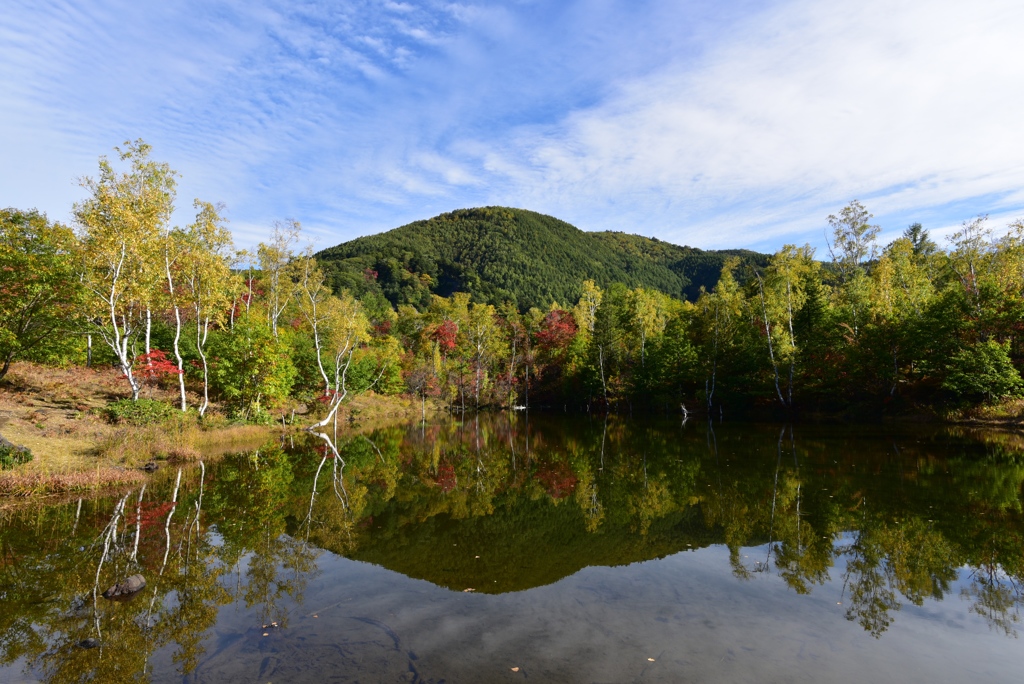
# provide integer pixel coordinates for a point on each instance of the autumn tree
(208, 280)
(276, 263)
(482, 334)
(313, 295)
(119, 225)
(345, 326)
(644, 316)
(971, 259)
(901, 295)
(585, 311)
(250, 367)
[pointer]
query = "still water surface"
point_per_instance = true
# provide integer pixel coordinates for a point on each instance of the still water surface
(500, 549)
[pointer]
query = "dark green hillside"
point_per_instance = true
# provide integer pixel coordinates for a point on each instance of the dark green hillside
(499, 254)
(696, 266)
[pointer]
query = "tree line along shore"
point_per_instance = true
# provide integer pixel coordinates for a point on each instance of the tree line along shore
(248, 337)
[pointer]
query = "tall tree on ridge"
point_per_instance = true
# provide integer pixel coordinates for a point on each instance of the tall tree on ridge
(853, 243)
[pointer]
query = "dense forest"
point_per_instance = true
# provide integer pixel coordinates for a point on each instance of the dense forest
(532, 311)
(499, 255)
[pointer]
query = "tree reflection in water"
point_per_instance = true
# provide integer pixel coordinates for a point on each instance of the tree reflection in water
(899, 518)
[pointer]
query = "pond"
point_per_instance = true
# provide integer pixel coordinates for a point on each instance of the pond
(506, 548)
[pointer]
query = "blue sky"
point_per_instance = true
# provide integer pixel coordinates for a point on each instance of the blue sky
(712, 124)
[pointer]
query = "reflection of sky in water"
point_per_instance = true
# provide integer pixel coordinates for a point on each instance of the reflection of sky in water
(687, 611)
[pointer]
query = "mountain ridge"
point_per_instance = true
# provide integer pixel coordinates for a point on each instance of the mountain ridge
(501, 254)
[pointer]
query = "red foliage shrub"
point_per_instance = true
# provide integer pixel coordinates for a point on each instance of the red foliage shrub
(445, 336)
(155, 365)
(557, 330)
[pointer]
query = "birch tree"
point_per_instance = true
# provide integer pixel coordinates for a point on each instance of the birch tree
(208, 280)
(275, 260)
(971, 258)
(644, 316)
(717, 319)
(345, 327)
(173, 243)
(585, 311)
(482, 333)
(313, 297)
(852, 244)
(781, 296)
(119, 224)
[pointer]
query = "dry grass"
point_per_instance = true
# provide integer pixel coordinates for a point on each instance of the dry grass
(371, 410)
(59, 414)
(21, 483)
(179, 439)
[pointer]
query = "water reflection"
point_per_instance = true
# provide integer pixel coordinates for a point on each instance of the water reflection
(500, 504)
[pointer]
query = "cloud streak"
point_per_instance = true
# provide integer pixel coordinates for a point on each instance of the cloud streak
(713, 124)
(908, 106)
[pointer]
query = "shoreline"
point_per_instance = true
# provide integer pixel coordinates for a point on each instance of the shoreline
(59, 415)
(36, 480)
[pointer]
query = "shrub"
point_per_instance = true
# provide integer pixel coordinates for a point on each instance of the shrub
(254, 415)
(11, 456)
(250, 367)
(139, 412)
(983, 371)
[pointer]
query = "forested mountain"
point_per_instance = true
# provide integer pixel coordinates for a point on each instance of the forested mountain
(498, 254)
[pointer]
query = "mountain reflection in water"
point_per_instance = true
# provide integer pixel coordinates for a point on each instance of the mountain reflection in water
(862, 522)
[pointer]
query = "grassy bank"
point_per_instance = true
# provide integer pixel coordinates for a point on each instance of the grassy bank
(62, 416)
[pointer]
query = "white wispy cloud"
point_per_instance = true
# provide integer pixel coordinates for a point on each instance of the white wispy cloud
(703, 122)
(906, 105)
